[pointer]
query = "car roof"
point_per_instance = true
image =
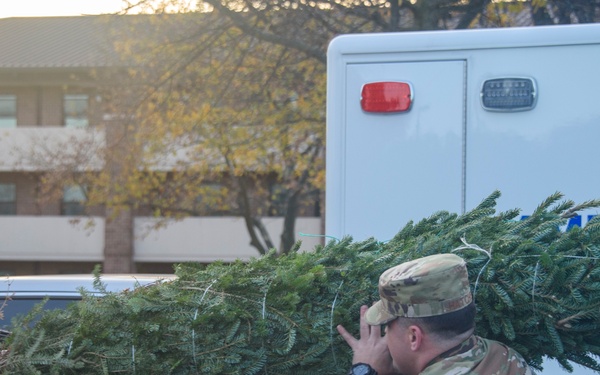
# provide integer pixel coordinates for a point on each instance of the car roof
(65, 285)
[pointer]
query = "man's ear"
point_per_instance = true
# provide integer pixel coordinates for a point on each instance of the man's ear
(415, 336)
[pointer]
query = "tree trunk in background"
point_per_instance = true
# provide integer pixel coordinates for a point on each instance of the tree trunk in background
(118, 230)
(118, 242)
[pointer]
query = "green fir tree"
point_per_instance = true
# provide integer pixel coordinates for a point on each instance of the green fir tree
(537, 288)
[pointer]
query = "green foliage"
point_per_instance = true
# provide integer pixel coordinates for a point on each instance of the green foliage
(536, 288)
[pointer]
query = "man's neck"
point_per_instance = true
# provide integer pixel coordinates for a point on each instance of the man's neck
(437, 347)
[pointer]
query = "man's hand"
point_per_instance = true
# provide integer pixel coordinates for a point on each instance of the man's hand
(371, 348)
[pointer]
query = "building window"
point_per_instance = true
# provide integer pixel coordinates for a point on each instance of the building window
(8, 111)
(73, 203)
(76, 111)
(8, 199)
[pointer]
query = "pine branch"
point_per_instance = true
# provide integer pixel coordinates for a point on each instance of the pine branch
(537, 289)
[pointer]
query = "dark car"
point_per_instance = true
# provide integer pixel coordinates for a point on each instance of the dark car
(19, 294)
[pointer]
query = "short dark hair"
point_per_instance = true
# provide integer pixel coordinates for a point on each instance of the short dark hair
(445, 326)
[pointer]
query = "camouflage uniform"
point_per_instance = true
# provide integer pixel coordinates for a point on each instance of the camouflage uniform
(478, 356)
(437, 285)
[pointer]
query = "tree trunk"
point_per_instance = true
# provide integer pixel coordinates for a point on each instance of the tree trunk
(394, 15)
(288, 237)
(253, 223)
(118, 242)
(118, 231)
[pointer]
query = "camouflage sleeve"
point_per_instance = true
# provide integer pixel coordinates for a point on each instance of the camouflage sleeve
(481, 357)
(502, 360)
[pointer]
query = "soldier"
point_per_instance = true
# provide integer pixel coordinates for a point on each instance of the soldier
(429, 313)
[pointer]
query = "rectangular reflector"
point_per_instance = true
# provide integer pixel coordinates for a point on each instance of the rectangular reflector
(386, 97)
(508, 94)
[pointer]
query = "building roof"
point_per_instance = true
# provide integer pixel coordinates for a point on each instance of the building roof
(88, 41)
(57, 42)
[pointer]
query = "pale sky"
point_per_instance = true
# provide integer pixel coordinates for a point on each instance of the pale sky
(48, 8)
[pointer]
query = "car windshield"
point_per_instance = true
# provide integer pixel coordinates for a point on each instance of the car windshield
(22, 306)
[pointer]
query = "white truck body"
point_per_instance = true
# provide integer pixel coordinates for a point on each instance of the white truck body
(448, 151)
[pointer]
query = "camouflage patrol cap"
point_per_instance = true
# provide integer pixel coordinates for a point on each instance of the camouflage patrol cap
(429, 286)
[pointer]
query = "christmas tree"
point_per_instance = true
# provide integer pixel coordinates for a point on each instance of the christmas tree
(537, 289)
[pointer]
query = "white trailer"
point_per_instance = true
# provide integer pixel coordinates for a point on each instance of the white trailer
(425, 121)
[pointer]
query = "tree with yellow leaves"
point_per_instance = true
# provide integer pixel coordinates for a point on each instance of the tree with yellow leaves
(201, 104)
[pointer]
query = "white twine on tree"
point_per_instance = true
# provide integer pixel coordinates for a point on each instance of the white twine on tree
(537, 266)
(264, 308)
(133, 358)
(193, 320)
(318, 235)
(264, 302)
(206, 290)
(331, 322)
(194, 339)
(468, 246)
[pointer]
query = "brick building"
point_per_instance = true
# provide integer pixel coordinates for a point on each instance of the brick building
(48, 96)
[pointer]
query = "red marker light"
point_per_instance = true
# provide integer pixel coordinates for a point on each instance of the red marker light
(385, 97)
